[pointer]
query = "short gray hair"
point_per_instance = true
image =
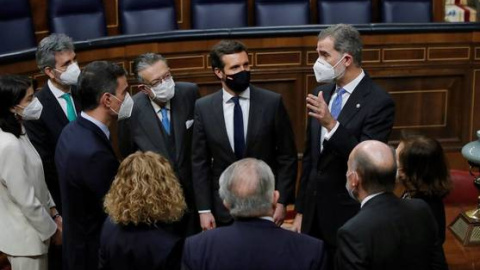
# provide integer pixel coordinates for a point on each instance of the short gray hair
(247, 186)
(49, 46)
(144, 61)
(346, 39)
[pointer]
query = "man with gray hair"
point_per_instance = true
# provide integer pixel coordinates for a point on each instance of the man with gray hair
(57, 60)
(253, 241)
(162, 122)
(349, 109)
(388, 232)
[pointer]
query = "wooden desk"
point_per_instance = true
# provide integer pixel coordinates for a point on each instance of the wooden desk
(458, 256)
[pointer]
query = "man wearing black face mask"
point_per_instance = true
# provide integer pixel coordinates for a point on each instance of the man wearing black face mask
(239, 121)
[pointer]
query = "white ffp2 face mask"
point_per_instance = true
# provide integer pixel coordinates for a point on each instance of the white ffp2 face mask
(126, 108)
(165, 91)
(324, 72)
(70, 76)
(32, 111)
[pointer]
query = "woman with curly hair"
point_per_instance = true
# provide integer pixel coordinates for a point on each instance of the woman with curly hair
(423, 171)
(144, 197)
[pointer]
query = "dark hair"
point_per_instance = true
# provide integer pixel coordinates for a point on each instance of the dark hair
(13, 89)
(144, 61)
(346, 39)
(222, 48)
(375, 178)
(97, 78)
(425, 167)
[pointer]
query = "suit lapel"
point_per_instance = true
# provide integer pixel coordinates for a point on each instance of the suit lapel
(355, 101)
(95, 129)
(217, 105)
(254, 118)
(52, 103)
(151, 125)
(179, 117)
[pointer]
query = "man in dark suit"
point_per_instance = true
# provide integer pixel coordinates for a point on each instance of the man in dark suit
(239, 121)
(55, 58)
(86, 162)
(388, 232)
(171, 137)
(253, 241)
(343, 113)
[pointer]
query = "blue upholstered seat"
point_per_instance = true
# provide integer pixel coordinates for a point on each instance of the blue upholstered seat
(406, 11)
(282, 12)
(147, 16)
(207, 14)
(16, 26)
(344, 11)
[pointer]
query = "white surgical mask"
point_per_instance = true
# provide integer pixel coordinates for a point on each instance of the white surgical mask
(165, 91)
(32, 111)
(70, 76)
(324, 72)
(126, 107)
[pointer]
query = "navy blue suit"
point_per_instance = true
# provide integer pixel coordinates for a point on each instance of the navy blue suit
(86, 167)
(139, 246)
(252, 244)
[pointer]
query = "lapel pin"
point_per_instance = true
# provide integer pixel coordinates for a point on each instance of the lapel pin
(358, 105)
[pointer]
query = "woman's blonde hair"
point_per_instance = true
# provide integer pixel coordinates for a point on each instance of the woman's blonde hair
(145, 190)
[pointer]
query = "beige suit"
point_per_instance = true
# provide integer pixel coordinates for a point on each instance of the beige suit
(25, 223)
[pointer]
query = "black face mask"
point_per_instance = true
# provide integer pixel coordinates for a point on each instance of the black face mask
(238, 82)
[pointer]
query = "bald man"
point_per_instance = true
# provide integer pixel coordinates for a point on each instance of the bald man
(388, 232)
(253, 240)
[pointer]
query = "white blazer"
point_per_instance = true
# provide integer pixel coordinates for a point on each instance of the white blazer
(25, 222)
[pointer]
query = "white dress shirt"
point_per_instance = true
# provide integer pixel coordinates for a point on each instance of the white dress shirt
(228, 108)
(349, 88)
(58, 94)
(158, 109)
(369, 197)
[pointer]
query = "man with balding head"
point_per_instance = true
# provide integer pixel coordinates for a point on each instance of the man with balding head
(253, 241)
(388, 232)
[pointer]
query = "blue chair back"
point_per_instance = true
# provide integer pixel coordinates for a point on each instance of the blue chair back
(147, 16)
(344, 11)
(16, 26)
(208, 14)
(406, 11)
(282, 12)
(79, 19)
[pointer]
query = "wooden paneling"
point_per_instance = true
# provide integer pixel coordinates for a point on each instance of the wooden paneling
(434, 94)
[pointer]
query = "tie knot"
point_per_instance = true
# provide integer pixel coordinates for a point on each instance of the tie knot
(66, 95)
(341, 91)
(236, 100)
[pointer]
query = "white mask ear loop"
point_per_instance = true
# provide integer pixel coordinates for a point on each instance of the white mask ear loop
(339, 61)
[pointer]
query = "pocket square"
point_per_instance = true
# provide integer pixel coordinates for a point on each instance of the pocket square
(189, 123)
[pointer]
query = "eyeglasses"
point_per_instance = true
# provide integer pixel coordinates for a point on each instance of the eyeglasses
(160, 80)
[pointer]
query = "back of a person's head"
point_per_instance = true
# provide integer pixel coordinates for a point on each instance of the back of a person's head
(97, 78)
(145, 190)
(374, 161)
(423, 168)
(247, 188)
(13, 88)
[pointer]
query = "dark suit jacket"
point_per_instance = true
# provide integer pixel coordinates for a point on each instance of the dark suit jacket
(86, 167)
(252, 244)
(438, 210)
(390, 233)
(44, 134)
(143, 131)
(132, 247)
(367, 115)
(269, 138)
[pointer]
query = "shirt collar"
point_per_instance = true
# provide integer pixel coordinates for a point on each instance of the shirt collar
(267, 218)
(349, 87)
(157, 107)
(55, 91)
(369, 197)
(99, 124)
(227, 96)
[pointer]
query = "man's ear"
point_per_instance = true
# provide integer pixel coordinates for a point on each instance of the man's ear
(348, 60)
(106, 100)
(227, 205)
(276, 196)
(50, 72)
(219, 73)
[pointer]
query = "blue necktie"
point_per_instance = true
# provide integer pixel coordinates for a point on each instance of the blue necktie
(71, 115)
(238, 132)
(337, 103)
(165, 121)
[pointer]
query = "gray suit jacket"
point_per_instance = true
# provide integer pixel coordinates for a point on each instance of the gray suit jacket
(269, 138)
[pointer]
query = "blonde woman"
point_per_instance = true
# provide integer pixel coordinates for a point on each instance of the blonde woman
(144, 197)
